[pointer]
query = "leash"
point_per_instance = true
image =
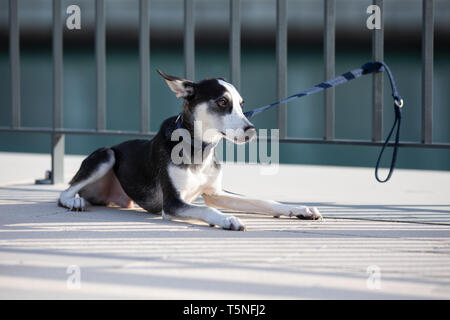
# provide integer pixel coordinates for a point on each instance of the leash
(367, 68)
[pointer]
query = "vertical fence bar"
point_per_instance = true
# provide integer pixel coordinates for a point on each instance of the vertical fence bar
(329, 57)
(281, 54)
(144, 56)
(189, 39)
(57, 65)
(377, 78)
(235, 43)
(57, 139)
(14, 57)
(100, 57)
(427, 70)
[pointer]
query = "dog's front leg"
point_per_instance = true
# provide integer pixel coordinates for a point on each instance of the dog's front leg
(227, 200)
(180, 209)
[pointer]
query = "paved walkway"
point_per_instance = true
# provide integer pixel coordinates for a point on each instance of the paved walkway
(380, 241)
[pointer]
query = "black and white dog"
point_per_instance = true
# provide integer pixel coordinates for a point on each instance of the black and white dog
(143, 171)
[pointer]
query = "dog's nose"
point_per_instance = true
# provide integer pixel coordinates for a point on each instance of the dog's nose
(250, 132)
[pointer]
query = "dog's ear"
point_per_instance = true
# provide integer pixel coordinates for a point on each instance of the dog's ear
(181, 87)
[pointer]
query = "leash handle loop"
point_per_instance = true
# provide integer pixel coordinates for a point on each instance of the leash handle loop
(397, 123)
(398, 105)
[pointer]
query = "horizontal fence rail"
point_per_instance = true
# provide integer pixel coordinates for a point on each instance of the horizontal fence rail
(57, 131)
(129, 133)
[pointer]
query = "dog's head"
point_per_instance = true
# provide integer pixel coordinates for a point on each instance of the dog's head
(214, 105)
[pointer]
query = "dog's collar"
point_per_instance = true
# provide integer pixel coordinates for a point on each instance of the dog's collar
(179, 123)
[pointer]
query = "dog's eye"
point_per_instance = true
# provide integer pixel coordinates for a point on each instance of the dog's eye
(242, 103)
(223, 102)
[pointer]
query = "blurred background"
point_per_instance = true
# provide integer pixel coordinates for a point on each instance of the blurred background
(258, 86)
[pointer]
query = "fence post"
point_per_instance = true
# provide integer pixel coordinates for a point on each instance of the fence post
(100, 58)
(144, 56)
(189, 39)
(235, 43)
(14, 56)
(377, 78)
(329, 57)
(58, 140)
(281, 53)
(427, 70)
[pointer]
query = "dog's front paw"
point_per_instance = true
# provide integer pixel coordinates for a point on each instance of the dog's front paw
(74, 204)
(305, 213)
(233, 223)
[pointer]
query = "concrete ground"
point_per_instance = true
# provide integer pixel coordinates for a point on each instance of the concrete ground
(377, 241)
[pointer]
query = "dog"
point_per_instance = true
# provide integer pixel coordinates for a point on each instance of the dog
(143, 171)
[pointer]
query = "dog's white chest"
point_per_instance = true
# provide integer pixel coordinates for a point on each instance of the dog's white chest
(191, 183)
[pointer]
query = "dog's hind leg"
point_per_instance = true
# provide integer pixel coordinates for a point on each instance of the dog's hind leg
(92, 169)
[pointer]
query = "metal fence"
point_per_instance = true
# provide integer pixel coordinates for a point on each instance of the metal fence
(57, 131)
